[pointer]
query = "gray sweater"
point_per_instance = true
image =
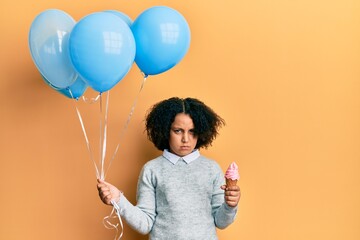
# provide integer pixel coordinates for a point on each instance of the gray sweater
(179, 201)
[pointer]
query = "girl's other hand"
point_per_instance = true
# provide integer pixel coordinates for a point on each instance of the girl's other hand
(232, 195)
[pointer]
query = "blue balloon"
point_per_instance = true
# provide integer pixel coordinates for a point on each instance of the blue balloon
(76, 90)
(102, 50)
(48, 42)
(123, 16)
(162, 38)
(49, 84)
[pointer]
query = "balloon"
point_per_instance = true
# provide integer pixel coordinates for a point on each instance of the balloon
(48, 42)
(162, 38)
(102, 50)
(123, 16)
(76, 90)
(49, 83)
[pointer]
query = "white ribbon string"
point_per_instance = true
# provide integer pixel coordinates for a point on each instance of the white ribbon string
(126, 124)
(115, 214)
(103, 122)
(91, 100)
(103, 132)
(85, 135)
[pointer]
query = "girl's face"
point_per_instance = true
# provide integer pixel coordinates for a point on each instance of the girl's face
(182, 139)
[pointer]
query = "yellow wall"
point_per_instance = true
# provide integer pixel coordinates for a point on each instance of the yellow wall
(285, 76)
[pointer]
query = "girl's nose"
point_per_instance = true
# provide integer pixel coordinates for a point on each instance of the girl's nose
(185, 138)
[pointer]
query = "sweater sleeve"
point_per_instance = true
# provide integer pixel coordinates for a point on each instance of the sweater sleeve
(222, 213)
(142, 216)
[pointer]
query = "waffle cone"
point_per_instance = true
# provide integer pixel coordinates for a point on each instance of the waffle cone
(230, 182)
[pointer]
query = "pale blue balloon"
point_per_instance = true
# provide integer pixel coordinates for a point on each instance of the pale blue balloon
(122, 15)
(162, 38)
(102, 50)
(75, 90)
(48, 42)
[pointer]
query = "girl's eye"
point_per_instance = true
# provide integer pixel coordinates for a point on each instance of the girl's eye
(177, 131)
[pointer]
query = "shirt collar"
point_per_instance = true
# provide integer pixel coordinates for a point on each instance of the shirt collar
(173, 158)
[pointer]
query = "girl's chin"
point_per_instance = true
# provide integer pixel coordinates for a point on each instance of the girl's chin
(183, 153)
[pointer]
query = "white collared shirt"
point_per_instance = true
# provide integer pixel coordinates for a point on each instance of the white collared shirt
(173, 158)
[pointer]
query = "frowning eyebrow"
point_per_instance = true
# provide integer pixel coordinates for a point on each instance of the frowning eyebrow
(180, 128)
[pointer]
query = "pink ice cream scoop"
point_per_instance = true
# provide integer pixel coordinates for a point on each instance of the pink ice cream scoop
(232, 174)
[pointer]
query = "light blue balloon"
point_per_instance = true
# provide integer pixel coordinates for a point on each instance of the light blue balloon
(50, 85)
(122, 15)
(162, 38)
(48, 42)
(75, 90)
(102, 50)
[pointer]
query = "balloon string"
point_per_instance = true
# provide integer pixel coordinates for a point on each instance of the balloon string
(115, 213)
(103, 141)
(85, 135)
(126, 124)
(100, 134)
(103, 136)
(103, 132)
(91, 100)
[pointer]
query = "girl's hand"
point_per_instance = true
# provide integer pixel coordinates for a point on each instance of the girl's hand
(232, 195)
(108, 192)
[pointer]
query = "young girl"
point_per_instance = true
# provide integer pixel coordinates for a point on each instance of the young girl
(181, 194)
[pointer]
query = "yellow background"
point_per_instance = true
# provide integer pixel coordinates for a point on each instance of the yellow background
(284, 75)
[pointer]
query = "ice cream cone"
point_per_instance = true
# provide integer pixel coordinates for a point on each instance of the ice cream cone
(232, 175)
(230, 182)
